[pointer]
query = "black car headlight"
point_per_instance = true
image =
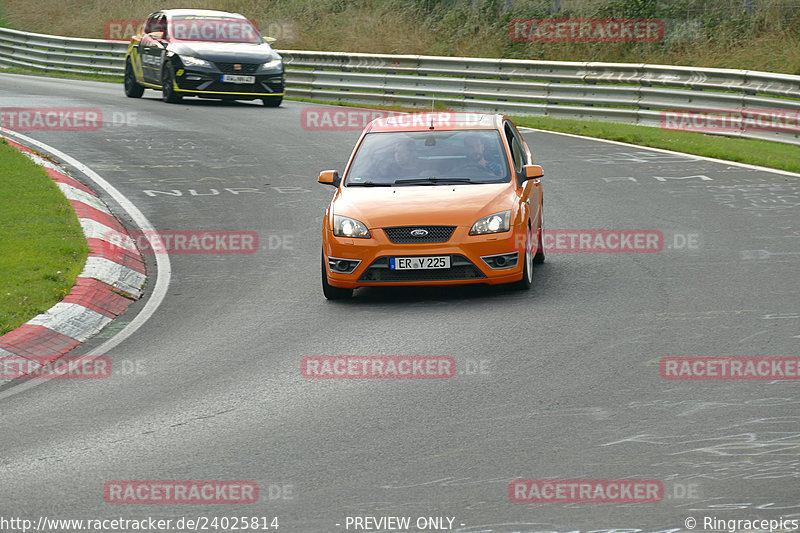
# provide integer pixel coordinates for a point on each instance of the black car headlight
(272, 64)
(191, 61)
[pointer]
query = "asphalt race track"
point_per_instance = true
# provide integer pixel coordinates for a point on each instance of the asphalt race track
(560, 382)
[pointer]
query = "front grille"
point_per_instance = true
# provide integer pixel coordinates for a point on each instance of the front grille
(402, 234)
(228, 87)
(461, 268)
(247, 68)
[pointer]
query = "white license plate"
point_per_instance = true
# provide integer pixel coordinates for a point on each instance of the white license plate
(233, 78)
(419, 263)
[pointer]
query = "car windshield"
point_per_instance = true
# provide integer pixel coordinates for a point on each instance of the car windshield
(429, 158)
(214, 30)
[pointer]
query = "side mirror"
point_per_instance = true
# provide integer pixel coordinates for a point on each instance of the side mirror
(329, 177)
(533, 171)
(270, 40)
(157, 35)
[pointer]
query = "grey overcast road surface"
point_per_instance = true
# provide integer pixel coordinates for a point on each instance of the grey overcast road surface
(559, 382)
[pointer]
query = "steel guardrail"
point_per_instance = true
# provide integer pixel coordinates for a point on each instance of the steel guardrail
(61, 54)
(629, 93)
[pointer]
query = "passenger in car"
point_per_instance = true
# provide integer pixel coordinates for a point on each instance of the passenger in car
(477, 156)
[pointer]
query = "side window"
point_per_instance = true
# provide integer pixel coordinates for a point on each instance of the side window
(148, 26)
(156, 23)
(516, 148)
(161, 25)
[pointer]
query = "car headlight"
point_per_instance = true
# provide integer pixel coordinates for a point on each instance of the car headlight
(349, 227)
(496, 223)
(269, 65)
(191, 61)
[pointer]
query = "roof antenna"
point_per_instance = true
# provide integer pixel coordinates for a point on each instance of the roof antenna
(433, 102)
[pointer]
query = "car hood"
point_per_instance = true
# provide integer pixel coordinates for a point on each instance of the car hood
(227, 52)
(459, 205)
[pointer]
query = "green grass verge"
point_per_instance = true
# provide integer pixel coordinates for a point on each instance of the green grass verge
(42, 246)
(64, 75)
(4, 22)
(751, 151)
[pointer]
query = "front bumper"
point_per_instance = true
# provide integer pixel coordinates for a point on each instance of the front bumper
(209, 84)
(472, 259)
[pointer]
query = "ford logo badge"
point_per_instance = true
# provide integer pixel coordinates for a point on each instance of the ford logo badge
(419, 232)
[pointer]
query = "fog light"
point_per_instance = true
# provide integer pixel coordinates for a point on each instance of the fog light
(343, 266)
(501, 261)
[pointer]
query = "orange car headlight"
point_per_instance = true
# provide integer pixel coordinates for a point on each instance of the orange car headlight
(349, 227)
(495, 223)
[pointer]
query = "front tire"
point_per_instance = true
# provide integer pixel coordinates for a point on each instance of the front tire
(331, 292)
(167, 86)
(527, 269)
(539, 257)
(132, 87)
(272, 101)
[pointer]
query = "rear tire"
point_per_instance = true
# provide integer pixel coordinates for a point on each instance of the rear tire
(272, 101)
(527, 261)
(331, 292)
(132, 87)
(167, 88)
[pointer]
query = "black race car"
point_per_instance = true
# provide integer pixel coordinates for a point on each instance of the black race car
(198, 52)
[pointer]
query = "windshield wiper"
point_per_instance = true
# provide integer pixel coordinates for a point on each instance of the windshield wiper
(432, 180)
(369, 183)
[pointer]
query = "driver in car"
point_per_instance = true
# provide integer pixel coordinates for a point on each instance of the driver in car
(403, 163)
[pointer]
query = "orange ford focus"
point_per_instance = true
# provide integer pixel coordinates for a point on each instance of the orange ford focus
(433, 199)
